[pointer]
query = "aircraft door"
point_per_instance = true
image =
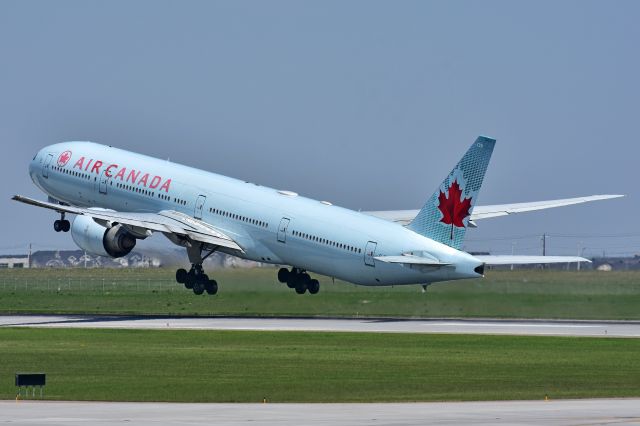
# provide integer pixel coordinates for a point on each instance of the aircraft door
(197, 213)
(45, 166)
(102, 182)
(369, 253)
(282, 230)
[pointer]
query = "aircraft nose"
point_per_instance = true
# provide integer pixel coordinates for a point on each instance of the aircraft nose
(35, 163)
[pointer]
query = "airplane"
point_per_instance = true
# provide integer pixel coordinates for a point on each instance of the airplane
(119, 197)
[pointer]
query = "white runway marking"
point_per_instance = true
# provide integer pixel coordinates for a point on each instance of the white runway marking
(560, 413)
(512, 327)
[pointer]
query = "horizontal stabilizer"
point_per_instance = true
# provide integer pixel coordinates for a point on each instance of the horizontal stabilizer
(528, 260)
(409, 259)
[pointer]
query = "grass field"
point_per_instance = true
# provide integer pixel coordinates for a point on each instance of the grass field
(144, 365)
(502, 294)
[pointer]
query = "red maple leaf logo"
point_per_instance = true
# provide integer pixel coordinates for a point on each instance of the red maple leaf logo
(64, 158)
(453, 209)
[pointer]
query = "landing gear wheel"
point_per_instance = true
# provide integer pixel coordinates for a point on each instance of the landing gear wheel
(211, 286)
(313, 286)
(57, 225)
(198, 287)
(298, 280)
(190, 280)
(284, 275)
(181, 275)
(66, 225)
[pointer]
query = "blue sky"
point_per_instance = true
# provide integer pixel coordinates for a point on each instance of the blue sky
(366, 104)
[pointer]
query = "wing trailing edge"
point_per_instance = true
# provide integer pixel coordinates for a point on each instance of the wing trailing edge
(404, 217)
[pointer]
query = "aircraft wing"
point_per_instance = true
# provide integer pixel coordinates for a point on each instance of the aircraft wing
(403, 217)
(528, 260)
(165, 221)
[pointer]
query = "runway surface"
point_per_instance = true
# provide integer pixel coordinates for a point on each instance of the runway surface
(471, 326)
(566, 412)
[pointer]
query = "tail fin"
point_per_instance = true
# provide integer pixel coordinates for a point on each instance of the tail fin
(445, 215)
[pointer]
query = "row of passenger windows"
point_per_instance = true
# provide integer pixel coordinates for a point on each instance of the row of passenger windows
(72, 173)
(149, 193)
(239, 217)
(133, 189)
(326, 242)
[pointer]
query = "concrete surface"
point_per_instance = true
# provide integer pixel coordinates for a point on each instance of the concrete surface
(562, 412)
(471, 326)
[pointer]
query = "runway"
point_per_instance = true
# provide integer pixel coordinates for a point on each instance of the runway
(562, 413)
(458, 326)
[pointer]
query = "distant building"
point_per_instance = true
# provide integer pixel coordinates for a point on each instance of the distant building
(14, 261)
(80, 259)
(616, 263)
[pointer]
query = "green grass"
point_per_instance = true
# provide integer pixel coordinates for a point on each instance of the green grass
(232, 366)
(256, 292)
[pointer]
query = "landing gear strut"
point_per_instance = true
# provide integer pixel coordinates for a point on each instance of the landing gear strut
(61, 225)
(196, 280)
(299, 280)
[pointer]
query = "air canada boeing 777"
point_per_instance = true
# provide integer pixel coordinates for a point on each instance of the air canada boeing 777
(119, 197)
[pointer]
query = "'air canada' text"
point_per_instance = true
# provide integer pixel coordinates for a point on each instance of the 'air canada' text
(132, 176)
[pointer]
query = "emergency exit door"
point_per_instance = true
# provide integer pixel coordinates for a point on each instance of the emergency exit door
(282, 230)
(369, 253)
(102, 183)
(197, 213)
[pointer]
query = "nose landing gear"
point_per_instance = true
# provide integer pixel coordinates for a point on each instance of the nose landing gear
(299, 280)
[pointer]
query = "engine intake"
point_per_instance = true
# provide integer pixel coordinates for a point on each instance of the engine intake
(95, 238)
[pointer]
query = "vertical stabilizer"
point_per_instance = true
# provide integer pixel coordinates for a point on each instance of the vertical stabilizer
(445, 215)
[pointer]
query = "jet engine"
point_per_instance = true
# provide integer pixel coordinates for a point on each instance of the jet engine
(115, 241)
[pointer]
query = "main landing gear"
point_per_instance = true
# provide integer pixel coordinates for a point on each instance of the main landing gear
(299, 280)
(196, 279)
(62, 225)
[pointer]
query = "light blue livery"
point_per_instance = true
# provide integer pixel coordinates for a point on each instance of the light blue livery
(120, 197)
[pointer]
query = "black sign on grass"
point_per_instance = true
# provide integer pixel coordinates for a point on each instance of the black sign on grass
(26, 380)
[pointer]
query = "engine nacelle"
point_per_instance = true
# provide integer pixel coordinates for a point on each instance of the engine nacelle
(95, 238)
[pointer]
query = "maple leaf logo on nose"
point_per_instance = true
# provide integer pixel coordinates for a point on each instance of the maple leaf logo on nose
(453, 209)
(64, 158)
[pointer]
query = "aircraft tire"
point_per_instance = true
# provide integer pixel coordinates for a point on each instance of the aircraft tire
(191, 279)
(198, 287)
(181, 275)
(284, 275)
(211, 286)
(57, 225)
(66, 225)
(314, 286)
(301, 288)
